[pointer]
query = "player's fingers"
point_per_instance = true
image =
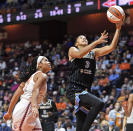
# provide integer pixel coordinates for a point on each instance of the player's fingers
(106, 36)
(4, 118)
(104, 32)
(34, 114)
(105, 41)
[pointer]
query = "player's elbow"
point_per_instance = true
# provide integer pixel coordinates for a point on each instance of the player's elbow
(112, 47)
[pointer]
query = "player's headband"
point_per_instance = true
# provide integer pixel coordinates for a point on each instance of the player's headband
(39, 60)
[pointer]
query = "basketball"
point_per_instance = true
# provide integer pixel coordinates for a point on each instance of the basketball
(115, 14)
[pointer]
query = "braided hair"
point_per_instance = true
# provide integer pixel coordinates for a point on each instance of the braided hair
(28, 70)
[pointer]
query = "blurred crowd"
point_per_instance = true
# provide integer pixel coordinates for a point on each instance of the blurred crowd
(7, 6)
(113, 79)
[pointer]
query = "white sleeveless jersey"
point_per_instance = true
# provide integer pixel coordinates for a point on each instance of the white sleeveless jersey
(130, 119)
(28, 88)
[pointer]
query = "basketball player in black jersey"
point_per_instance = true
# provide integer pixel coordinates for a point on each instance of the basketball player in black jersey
(83, 65)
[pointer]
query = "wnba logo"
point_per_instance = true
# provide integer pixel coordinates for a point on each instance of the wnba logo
(109, 3)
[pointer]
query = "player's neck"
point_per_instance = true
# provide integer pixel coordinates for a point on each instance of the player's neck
(42, 70)
(80, 47)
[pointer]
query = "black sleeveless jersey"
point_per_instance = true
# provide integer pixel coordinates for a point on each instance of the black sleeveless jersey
(82, 72)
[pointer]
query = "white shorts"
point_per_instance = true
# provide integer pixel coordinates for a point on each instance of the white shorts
(23, 119)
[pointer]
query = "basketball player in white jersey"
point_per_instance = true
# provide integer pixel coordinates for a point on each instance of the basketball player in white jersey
(32, 89)
(128, 108)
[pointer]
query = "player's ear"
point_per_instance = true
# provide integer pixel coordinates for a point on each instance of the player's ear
(39, 65)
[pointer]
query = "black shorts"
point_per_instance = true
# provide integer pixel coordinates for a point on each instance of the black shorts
(72, 89)
(74, 93)
(129, 127)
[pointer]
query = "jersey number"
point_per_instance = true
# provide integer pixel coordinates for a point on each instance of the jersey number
(44, 112)
(86, 70)
(87, 64)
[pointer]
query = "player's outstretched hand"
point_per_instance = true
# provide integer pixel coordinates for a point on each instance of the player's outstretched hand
(35, 112)
(7, 116)
(103, 38)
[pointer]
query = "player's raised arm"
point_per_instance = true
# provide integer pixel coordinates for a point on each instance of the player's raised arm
(108, 49)
(41, 79)
(82, 42)
(14, 100)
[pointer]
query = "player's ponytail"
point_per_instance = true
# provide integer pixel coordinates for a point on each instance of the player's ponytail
(28, 70)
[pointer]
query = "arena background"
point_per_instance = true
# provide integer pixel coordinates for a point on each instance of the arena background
(45, 27)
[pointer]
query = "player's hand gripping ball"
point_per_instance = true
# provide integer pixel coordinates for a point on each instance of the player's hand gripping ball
(115, 14)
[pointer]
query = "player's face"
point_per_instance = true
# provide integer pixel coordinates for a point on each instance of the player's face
(82, 41)
(46, 65)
